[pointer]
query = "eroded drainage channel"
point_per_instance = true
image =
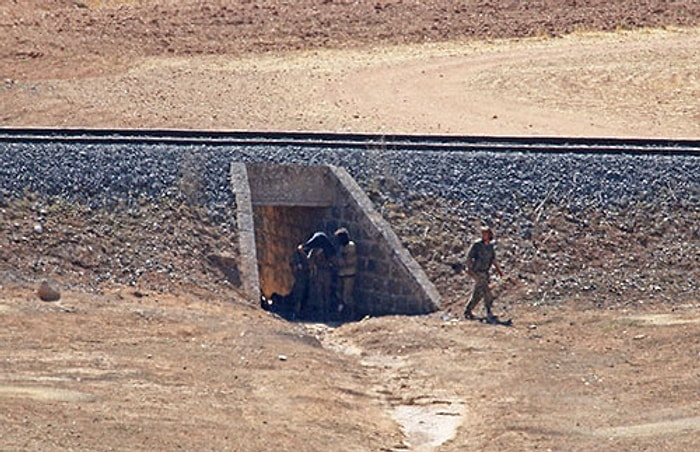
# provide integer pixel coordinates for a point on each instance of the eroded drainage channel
(428, 417)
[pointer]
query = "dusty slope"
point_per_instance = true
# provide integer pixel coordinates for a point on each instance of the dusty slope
(188, 367)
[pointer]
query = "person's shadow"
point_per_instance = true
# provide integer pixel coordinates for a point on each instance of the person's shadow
(494, 320)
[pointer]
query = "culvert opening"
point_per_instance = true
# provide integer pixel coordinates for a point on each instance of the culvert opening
(281, 206)
(296, 284)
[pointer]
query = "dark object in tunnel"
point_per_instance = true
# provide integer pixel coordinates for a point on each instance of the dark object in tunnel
(294, 304)
(280, 305)
(320, 240)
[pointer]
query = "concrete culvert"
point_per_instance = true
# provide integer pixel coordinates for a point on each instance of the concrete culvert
(281, 206)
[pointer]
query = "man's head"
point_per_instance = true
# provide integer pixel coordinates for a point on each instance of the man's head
(486, 234)
(342, 236)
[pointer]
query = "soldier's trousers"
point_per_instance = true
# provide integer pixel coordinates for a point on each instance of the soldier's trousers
(321, 291)
(481, 290)
(344, 294)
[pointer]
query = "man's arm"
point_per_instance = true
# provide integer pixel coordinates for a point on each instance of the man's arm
(498, 268)
(470, 261)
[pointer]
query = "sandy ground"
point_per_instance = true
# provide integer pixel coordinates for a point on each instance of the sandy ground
(158, 371)
(133, 369)
(643, 83)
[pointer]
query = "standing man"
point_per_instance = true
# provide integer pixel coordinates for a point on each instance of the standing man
(347, 269)
(322, 266)
(480, 258)
(300, 290)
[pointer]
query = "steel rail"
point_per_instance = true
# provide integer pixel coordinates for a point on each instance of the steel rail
(388, 142)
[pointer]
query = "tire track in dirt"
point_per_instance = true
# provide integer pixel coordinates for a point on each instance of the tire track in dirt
(43, 393)
(664, 427)
(663, 319)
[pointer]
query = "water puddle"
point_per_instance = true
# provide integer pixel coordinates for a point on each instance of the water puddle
(429, 426)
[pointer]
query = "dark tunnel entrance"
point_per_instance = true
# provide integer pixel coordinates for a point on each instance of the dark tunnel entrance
(279, 229)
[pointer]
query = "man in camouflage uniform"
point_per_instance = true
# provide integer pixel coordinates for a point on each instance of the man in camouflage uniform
(480, 258)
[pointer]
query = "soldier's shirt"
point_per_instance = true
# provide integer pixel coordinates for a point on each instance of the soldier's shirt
(347, 261)
(482, 255)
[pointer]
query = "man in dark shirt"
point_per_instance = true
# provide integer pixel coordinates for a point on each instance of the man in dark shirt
(480, 258)
(319, 240)
(322, 258)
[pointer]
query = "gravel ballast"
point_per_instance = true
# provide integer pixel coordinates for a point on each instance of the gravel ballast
(103, 175)
(633, 195)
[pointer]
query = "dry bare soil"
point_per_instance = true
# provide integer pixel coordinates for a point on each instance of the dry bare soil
(156, 366)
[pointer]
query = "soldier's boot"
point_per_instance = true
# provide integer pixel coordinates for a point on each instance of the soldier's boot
(468, 314)
(350, 312)
(468, 311)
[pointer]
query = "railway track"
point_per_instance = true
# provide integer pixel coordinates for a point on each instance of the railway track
(450, 143)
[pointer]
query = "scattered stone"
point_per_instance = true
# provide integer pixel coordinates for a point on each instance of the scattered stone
(48, 291)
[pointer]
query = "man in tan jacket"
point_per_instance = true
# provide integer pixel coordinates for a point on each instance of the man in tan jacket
(347, 269)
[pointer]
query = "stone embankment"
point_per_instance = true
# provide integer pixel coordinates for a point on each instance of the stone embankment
(605, 228)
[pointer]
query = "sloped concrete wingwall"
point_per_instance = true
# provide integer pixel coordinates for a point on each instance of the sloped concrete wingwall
(287, 203)
(389, 281)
